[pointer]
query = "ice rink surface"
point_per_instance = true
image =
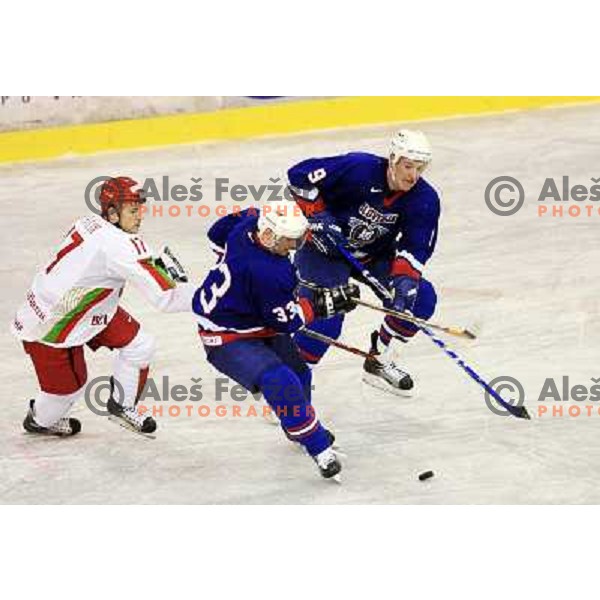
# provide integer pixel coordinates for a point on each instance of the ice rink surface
(531, 281)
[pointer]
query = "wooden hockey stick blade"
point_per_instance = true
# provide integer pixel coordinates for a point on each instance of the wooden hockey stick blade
(455, 331)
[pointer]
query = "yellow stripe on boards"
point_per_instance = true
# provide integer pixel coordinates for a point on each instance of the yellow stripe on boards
(264, 120)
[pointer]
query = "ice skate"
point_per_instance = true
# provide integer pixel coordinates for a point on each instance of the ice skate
(130, 418)
(63, 427)
(384, 374)
(329, 464)
(334, 446)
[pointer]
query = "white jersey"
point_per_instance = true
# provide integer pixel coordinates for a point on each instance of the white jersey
(74, 297)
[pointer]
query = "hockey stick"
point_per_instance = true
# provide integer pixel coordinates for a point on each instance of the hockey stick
(331, 342)
(455, 331)
(517, 411)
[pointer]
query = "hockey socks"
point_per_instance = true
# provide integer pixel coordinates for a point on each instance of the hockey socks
(284, 393)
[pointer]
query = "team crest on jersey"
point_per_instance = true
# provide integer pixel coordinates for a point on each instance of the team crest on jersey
(362, 234)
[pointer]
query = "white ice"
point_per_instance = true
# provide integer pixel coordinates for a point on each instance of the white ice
(531, 281)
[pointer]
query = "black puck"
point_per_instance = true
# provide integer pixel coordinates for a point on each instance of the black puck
(425, 475)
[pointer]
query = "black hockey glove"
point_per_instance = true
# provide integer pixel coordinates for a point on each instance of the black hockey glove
(329, 302)
(171, 265)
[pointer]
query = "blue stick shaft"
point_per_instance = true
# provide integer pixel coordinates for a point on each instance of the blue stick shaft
(517, 411)
(375, 283)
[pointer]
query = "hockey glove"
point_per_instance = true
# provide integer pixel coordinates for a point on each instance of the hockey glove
(326, 234)
(167, 261)
(329, 302)
(404, 290)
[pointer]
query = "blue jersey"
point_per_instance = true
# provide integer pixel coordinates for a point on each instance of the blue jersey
(219, 231)
(251, 292)
(376, 221)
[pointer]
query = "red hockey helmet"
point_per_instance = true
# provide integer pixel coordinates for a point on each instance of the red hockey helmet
(117, 191)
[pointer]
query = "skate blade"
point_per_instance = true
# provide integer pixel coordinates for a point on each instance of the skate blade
(129, 427)
(337, 479)
(42, 435)
(375, 382)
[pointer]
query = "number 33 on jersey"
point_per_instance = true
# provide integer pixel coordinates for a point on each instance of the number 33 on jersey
(251, 293)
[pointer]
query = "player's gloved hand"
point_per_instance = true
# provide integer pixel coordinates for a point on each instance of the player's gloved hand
(405, 290)
(167, 261)
(329, 302)
(326, 234)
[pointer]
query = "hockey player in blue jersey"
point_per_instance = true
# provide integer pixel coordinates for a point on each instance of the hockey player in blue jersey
(386, 215)
(248, 309)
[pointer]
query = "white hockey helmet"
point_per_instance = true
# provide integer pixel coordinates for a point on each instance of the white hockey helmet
(284, 218)
(413, 145)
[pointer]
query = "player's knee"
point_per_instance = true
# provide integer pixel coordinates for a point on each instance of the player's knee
(426, 301)
(140, 351)
(280, 385)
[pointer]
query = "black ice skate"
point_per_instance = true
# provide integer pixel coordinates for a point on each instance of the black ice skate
(63, 427)
(329, 464)
(130, 418)
(386, 375)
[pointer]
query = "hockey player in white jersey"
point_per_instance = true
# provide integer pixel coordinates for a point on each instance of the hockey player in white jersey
(74, 301)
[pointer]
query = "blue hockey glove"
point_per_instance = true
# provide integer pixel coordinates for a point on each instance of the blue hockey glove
(405, 290)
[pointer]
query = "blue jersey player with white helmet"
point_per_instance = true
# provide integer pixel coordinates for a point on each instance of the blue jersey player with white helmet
(248, 309)
(383, 212)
